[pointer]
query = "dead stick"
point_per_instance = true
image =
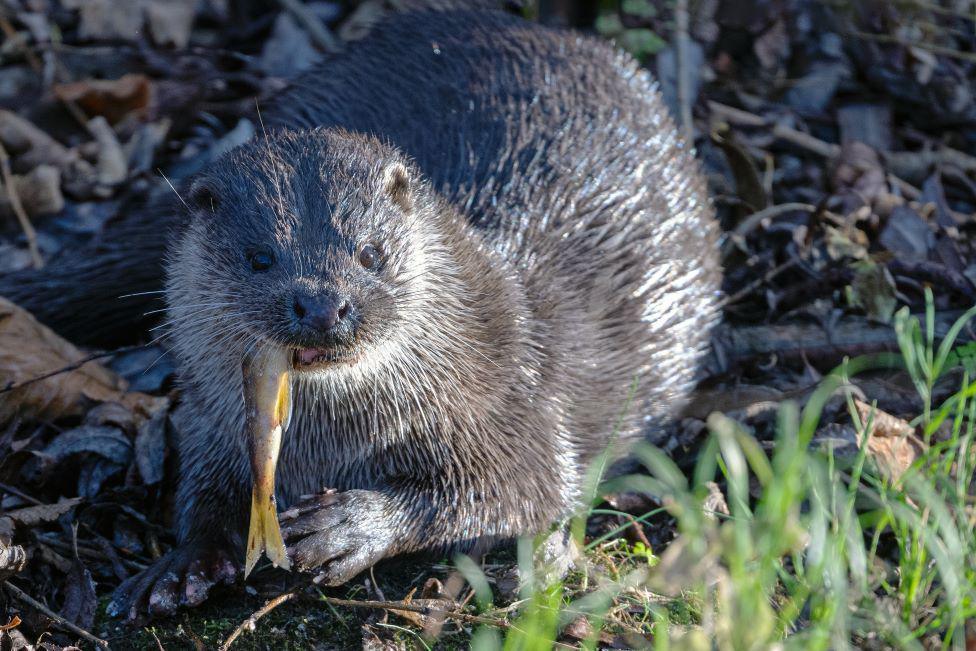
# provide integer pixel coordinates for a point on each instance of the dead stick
(18, 208)
(71, 367)
(251, 622)
(423, 610)
(10, 33)
(806, 141)
(756, 284)
(752, 221)
(781, 131)
(851, 336)
(58, 619)
(5, 488)
(318, 32)
(931, 47)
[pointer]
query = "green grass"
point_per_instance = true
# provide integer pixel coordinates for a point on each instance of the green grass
(817, 551)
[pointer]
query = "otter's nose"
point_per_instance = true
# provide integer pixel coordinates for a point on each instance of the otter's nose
(324, 312)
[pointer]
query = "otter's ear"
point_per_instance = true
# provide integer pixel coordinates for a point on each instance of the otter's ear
(396, 183)
(203, 197)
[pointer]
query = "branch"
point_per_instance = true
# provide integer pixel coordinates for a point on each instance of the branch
(58, 619)
(250, 623)
(318, 32)
(71, 367)
(18, 208)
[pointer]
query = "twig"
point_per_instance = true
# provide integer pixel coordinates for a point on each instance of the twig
(829, 150)
(684, 92)
(752, 221)
(11, 33)
(58, 619)
(5, 488)
(18, 208)
(894, 40)
(393, 606)
(423, 610)
(251, 622)
(756, 284)
(756, 218)
(850, 337)
(781, 131)
(934, 273)
(318, 32)
(71, 367)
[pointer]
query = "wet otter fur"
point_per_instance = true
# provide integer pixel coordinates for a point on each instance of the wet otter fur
(490, 255)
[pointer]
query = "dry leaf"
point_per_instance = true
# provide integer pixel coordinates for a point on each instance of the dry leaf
(111, 167)
(581, 629)
(30, 145)
(80, 601)
(892, 443)
(32, 515)
(107, 442)
(715, 501)
(112, 98)
(29, 350)
(109, 19)
(13, 623)
(705, 401)
(874, 291)
(170, 21)
(151, 440)
(13, 559)
(361, 22)
(39, 192)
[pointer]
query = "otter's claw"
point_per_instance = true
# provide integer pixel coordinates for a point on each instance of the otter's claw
(182, 577)
(340, 534)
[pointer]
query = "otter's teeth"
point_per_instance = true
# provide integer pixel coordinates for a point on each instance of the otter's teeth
(309, 356)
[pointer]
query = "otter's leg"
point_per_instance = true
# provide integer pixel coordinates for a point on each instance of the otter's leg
(211, 498)
(183, 577)
(342, 534)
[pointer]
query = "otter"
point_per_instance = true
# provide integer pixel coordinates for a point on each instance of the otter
(489, 255)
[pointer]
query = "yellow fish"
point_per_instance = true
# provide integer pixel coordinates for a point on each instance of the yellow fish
(267, 407)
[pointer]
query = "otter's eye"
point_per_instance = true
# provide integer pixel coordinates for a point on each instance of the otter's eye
(369, 257)
(261, 260)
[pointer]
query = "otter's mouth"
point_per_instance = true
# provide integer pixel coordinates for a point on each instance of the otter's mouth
(305, 359)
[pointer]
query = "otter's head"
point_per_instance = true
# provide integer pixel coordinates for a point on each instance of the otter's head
(315, 241)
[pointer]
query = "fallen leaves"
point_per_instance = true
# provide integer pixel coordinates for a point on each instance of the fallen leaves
(29, 350)
(114, 99)
(13, 559)
(169, 21)
(33, 515)
(31, 147)
(80, 601)
(39, 191)
(891, 442)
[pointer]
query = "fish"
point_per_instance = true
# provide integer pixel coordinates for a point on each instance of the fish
(267, 409)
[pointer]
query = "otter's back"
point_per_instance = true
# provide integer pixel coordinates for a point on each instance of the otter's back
(500, 113)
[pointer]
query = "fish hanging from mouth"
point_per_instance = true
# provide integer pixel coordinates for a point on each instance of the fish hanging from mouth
(267, 408)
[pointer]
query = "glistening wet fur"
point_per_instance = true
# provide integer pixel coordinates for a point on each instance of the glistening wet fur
(547, 282)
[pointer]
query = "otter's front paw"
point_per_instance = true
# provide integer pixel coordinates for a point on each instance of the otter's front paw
(183, 577)
(341, 534)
